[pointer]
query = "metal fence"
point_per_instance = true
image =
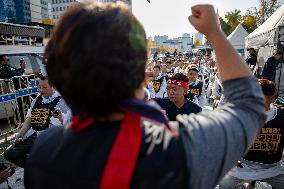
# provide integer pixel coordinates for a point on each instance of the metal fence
(16, 95)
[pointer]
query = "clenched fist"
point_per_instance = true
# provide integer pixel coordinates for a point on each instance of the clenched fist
(205, 20)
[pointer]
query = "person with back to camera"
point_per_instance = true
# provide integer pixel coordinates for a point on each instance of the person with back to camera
(116, 139)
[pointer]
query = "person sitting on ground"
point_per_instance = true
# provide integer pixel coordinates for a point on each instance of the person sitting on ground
(117, 139)
(46, 111)
(263, 162)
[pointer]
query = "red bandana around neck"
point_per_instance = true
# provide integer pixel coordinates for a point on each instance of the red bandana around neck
(123, 157)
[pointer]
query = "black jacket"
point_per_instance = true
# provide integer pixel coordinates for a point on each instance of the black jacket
(87, 152)
(7, 71)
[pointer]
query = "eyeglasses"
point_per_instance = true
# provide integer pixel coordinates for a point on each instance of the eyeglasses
(7, 59)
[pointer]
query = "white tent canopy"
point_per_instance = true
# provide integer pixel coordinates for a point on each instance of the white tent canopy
(237, 37)
(265, 34)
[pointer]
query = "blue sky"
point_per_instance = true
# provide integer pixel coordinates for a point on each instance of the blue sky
(169, 17)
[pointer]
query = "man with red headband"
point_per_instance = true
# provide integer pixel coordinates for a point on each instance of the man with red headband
(177, 103)
(119, 141)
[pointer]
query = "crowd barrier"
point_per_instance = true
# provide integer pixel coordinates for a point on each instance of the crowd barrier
(16, 95)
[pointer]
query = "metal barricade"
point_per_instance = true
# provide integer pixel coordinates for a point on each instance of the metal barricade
(15, 99)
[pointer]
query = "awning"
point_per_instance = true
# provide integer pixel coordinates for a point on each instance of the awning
(21, 30)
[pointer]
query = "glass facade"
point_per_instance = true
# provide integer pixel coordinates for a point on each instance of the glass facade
(23, 11)
(7, 11)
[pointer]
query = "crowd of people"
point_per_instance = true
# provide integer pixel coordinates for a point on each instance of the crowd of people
(172, 122)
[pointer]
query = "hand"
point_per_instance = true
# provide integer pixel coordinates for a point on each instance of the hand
(56, 113)
(18, 138)
(5, 174)
(205, 20)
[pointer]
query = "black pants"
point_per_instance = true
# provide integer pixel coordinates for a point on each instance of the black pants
(18, 153)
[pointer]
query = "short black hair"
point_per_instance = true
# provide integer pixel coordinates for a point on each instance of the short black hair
(180, 77)
(42, 78)
(2, 57)
(22, 61)
(278, 53)
(157, 66)
(268, 87)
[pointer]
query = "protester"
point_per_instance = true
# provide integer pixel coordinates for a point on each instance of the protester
(177, 102)
(195, 85)
(157, 87)
(263, 160)
(269, 69)
(116, 139)
(46, 111)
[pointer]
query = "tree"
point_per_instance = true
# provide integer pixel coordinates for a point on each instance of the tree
(150, 44)
(265, 10)
(197, 42)
(249, 21)
(234, 18)
(224, 26)
(165, 48)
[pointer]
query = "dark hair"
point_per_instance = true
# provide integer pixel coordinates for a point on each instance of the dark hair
(253, 50)
(268, 87)
(22, 61)
(193, 68)
(42, 78)
(179, 77)
(157, 66)
(96, 57)
(2, 57)
(278, 53)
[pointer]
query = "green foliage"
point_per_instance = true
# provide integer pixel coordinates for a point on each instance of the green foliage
(234, 18)
(224, 26)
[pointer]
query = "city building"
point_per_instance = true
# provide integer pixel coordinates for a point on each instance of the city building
(173, 44)
(7, 11)
(198, 37)
(24, 11)
(59, 6)
(183, 43)
(160, 39)
(187, 42)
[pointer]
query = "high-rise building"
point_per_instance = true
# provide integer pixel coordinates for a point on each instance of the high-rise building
(24, 11)
(45, 9)
(160, 39)
(3, 12)
(7, 11)
(59, 6)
